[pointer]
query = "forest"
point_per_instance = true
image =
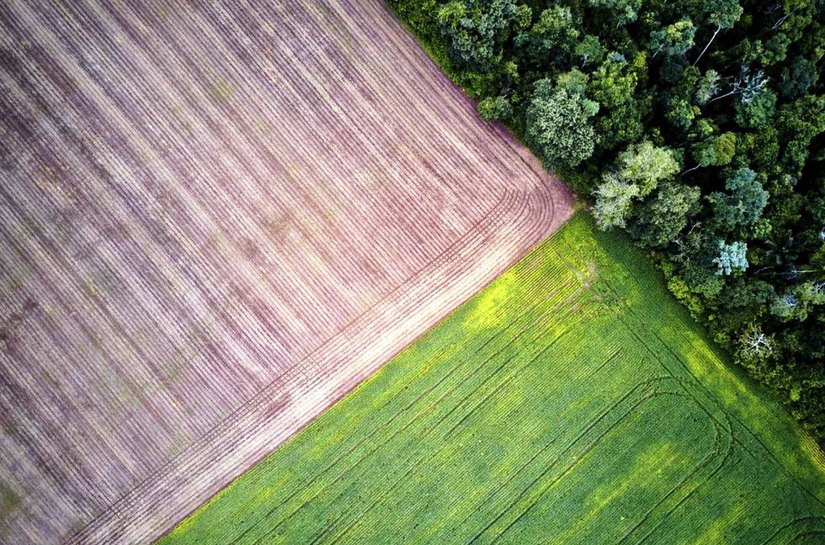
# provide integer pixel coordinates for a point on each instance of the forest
(696, 127)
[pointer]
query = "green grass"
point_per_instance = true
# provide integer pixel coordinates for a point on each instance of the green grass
(572, 401)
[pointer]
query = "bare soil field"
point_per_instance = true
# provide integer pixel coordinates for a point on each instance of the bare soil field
(216, 218)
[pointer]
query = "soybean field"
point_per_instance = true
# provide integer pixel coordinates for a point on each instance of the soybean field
(571, 401)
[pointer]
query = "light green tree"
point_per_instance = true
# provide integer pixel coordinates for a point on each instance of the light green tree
(589, 50)
(675, 39)
(707, 87)
(558, 126)
(731, 257)
(613, 200)
(495, 109)
(645, 165)
(714, 151)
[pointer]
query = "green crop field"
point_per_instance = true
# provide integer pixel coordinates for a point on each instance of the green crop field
(571, 401)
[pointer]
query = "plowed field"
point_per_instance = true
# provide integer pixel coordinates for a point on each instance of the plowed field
(216, 218)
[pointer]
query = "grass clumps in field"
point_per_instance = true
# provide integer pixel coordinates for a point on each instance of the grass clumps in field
(572, 401)
(9, 503)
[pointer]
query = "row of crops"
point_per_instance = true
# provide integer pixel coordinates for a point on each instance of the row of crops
(544, 409)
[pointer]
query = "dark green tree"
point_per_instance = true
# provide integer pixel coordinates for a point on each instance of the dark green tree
(743, 203)
(622, 11)
(799, 123)
(552, 38)
(476, 29)
(662, 217)
(722, 14)
(680, 112)
(798, 78)
(757, 112)
(613, 86)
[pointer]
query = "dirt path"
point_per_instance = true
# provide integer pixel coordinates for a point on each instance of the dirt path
(215, 220)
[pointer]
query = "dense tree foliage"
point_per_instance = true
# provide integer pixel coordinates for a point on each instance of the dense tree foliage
(698, 127)
(557, 124)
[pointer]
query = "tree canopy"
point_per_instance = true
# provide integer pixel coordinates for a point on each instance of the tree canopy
(697, 127)
(558, 127)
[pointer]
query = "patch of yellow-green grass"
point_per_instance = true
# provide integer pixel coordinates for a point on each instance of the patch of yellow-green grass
(221, 89)
(489, 308)
(571, 401)
(9, 503)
